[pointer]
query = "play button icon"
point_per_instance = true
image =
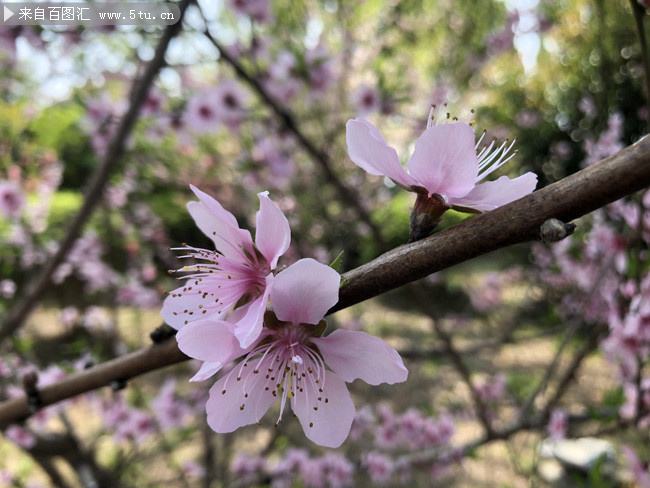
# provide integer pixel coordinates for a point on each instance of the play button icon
(8, 14)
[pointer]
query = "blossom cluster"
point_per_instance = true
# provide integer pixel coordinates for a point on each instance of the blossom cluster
(221, 315)
(385, 461)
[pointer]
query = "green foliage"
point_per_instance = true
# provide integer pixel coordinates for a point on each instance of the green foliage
(520, 384)
(65, 204)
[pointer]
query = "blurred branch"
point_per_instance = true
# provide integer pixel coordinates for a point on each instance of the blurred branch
(571, 370)
(319, 155)
(622, 174)
(639, 14)
(457, 361)
(37, 287)
(90, 474)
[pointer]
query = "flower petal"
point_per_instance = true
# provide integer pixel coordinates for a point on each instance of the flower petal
(329, 423)
(229, 395)
(305, 291)
(492, 194)
(273, 234)
(368, 150)
(209, 340)
(354, 354)
(178, 305)
(219, 225)
(248, 328)
(206, 370)
(444, 160)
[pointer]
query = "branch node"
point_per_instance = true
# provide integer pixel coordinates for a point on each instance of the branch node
(554, 230)
(34, 401)
(162, 333)
(118, 384)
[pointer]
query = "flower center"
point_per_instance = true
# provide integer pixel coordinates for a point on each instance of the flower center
(292, 369)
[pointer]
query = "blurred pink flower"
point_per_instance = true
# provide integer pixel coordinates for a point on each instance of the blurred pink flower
(380, 467)
(292, 359)
(202, 113)
(239, 274)
(12, 200)
(20, 436)
(557, 424)
(366, 99)
(231, 100)
(640, 472)
(257, 10)
(7, 288)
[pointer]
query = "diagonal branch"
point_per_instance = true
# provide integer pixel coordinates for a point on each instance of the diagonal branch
(37, 287)
(574, 196)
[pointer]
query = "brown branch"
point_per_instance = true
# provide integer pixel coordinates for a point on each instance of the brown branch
(113, 156)
(574, 196)
(481, 409)
(119, 369)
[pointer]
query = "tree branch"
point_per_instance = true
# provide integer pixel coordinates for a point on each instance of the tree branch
(119, 369)
(574, 196)
(570, 198)
(113, 156)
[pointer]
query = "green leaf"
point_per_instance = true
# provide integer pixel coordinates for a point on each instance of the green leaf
(336, 264)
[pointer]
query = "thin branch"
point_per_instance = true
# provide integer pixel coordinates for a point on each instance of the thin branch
(457, 361)
(119, 369)
(113, 156)
(571, 370)
(570, 198)
(639, 13)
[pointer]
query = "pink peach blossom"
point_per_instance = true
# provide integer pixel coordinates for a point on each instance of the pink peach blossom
(445, 164)
(291, 361)
(233, 282)
(12, 200)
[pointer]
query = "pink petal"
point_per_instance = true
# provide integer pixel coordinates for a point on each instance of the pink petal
(354, 354)
(209, 340)
(206, 370)
(219, 225)
(444, 160)
(305, 291)
(273, 234)
(492, 194)
(368, 150)
(248, 328)
(178, 305)
(330, 424)
(224, 409)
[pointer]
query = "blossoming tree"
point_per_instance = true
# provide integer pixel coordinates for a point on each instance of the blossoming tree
(271, 114)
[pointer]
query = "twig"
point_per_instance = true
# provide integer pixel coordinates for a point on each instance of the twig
(639, 13)
(122, 368)
(113, 156)
(574, 196)
(455, 357)
(570, 372)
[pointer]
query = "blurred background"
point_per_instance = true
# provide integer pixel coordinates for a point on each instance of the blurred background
(539, 342)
